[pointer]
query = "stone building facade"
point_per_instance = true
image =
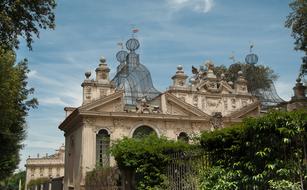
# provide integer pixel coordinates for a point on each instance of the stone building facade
(48, 166)
(108, 113)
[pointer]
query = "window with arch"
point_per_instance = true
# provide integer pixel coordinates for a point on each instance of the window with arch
(143, 131)
(183, 137)
(102, 147)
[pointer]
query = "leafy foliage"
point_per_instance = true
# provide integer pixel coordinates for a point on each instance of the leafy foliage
(147, 157)
(262, 151)
(24, 18)
(257, 76)
(14, 106)
(284, 185)
(297, 21)
(216, 178)
(12, 182)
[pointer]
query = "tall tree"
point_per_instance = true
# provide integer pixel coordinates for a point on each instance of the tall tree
(14, 106)
(297, 21)
(24, 18)
(258, 77)
(18, 19)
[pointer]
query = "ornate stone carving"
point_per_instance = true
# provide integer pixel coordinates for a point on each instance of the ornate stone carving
(195, 100)
(217, 120)
(244, 103)
(203, 103)
(225, 104)
(144, 107)
(103, 92)
(89, 121)
(118, 107)
(214, 102)
(118, 123)
(88, 90)
(182, 97)
(233, 103)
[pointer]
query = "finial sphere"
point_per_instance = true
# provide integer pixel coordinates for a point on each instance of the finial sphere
(87, 74)
(251, 58)
(179, 67)
(102, 59)
(121, 56)
(132, 44)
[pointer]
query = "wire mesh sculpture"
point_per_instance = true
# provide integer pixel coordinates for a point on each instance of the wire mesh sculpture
(268, 97)
(133, 77)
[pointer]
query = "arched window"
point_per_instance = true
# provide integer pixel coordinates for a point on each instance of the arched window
(102, 147)
(143, 131)
(183, 137)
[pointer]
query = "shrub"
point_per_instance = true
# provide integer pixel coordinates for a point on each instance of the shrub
(147, 158)
(262, 150)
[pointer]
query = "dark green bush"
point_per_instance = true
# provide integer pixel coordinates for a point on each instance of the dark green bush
(147, 157)
(270, 148)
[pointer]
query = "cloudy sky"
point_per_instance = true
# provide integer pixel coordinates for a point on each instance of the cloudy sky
(171, 32)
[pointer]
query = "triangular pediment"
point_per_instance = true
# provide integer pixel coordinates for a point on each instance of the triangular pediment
(177, 106)
(111, 103)
(247, 111)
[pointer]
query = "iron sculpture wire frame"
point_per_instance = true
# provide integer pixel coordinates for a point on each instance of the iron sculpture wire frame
(136, 81)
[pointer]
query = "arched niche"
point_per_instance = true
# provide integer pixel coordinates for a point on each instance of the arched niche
(183, 137)
(143, 131)
(102, 148)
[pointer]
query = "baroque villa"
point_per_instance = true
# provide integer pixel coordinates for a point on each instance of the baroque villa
(129, 105)
(48, 166)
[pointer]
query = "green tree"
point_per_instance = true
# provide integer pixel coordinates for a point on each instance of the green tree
(12, 183)
(24, 18)
(258, 77)
(14, 106)
(297, 21)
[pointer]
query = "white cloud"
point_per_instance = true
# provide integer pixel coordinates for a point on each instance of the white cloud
(203, 6)
(53, 101)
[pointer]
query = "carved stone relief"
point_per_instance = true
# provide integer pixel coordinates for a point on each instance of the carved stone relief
(233, 103)
(203, 103)
(118, 107)
(88, 90)
(103, 92)
(144, 107)
(217, 120)
(225, 104)
(214, 103)
(195, 100)
(89, 121)
(244, 103)
(118, 123)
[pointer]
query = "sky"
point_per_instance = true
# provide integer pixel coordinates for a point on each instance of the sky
(171, 33)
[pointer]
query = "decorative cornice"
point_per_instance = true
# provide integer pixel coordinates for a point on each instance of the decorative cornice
(165, 117)
(102, 101)
(207, 94)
